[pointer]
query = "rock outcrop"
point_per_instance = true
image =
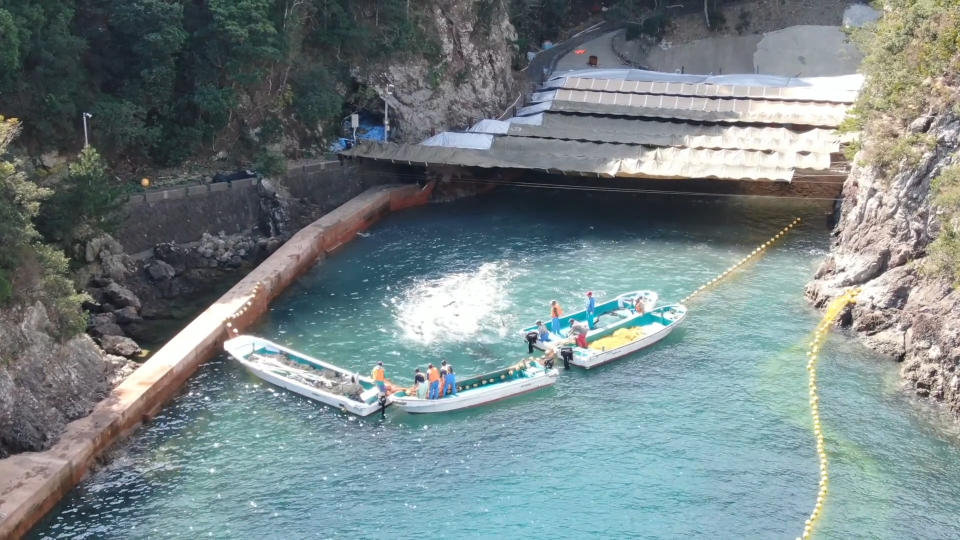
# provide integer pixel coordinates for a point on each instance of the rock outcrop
(471, 80)
(881, 242)
(45, 383)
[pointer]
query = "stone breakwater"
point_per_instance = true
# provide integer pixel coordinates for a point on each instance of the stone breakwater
(880, 244)
(32, 483)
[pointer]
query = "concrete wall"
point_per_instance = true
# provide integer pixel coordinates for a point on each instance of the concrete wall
(32, 483)
(182, 214)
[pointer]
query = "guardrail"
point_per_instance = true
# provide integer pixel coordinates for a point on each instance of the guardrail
(199, 188)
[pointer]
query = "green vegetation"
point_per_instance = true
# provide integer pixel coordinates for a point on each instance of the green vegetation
(84, 201)
(167, 80)
(537, 21)
(911, 66)
(30, 270)
(945, 250)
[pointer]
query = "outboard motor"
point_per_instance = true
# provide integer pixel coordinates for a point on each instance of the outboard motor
(532, 338)
(567, 354)
(382, 400)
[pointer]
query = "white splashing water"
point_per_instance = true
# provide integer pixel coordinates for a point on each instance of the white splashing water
(455, 306)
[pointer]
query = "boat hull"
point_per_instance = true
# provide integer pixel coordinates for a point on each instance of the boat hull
(588, 358)
(620, 308)
(238, 347)
(467, 399)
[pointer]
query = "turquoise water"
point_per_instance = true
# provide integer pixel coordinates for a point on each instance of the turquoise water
(706, 435)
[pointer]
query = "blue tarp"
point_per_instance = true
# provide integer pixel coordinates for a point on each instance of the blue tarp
(366, 132)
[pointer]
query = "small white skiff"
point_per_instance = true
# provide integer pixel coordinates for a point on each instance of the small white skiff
(527, 376)
(644, 331)
(304, 375)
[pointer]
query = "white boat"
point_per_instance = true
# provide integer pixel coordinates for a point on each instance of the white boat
(305, 375)
(524, 377)
(607, 317)
(645, 331)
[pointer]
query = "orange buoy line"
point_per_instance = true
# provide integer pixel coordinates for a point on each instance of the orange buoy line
(832, 312)
(752, 255)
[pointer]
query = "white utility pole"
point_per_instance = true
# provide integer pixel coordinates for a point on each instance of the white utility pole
(386, 114)
(354, 123)
(86, 137)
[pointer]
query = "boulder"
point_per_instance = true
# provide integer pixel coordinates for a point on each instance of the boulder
(104, 324)
(116, 266)
(102, 245)
(121, 296)
(102, 318)
(127, 315)
(120, 346)
(100, 281)
(160, 271)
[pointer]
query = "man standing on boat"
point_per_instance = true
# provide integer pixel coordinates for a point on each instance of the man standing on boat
(579, 329)
(555, 312)
(433, 375)
(379, 376)
(591, 307)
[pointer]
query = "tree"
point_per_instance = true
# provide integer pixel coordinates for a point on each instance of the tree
(86, 200)
(48, 84)
(19, 204)
(29, 269)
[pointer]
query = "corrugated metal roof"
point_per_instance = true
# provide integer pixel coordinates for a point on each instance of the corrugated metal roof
(699, 108)
(604, 123)
(773, 93)
(659, 133)
(601, 159)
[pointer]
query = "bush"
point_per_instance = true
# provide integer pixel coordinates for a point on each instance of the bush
(743, 22)
(30, 270)
(716, 21)
(6, 288)
(910, 64)
(271, 164)
(945, 250)
(655, 26)
(86, 199)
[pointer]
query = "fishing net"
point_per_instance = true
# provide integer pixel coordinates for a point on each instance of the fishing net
(619, 338)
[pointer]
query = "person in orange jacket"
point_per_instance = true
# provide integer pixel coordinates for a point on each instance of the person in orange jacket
(433, 377)
(380, 377)
(555, 312)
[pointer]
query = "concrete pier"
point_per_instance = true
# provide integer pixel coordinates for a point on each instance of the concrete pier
(32, 483)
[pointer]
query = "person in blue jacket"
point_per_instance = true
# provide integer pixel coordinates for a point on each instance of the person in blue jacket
(591, 306)
(450, 383)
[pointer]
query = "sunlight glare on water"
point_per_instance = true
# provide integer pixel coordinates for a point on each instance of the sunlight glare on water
(707, 434)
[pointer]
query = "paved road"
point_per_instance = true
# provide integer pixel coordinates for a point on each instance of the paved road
(598, 46)
(544, 63)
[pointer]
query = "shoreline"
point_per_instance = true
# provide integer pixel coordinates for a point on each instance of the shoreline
(32, 483)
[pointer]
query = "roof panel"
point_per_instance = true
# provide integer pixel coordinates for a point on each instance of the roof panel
(777, 93)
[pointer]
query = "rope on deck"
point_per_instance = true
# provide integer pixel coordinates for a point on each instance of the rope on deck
(830, 314)
(753, 254)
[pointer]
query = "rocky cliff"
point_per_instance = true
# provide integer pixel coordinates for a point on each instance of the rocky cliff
(470, 80)
(886, 224)
(45, 383)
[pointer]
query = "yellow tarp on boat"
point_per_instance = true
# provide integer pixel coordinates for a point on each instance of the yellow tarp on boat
(619, 338)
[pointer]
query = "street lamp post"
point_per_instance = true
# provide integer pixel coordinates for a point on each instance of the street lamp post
(86, 137)
(386, 113)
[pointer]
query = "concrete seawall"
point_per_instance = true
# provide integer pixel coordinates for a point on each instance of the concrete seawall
(183, 213)
(32, 483)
